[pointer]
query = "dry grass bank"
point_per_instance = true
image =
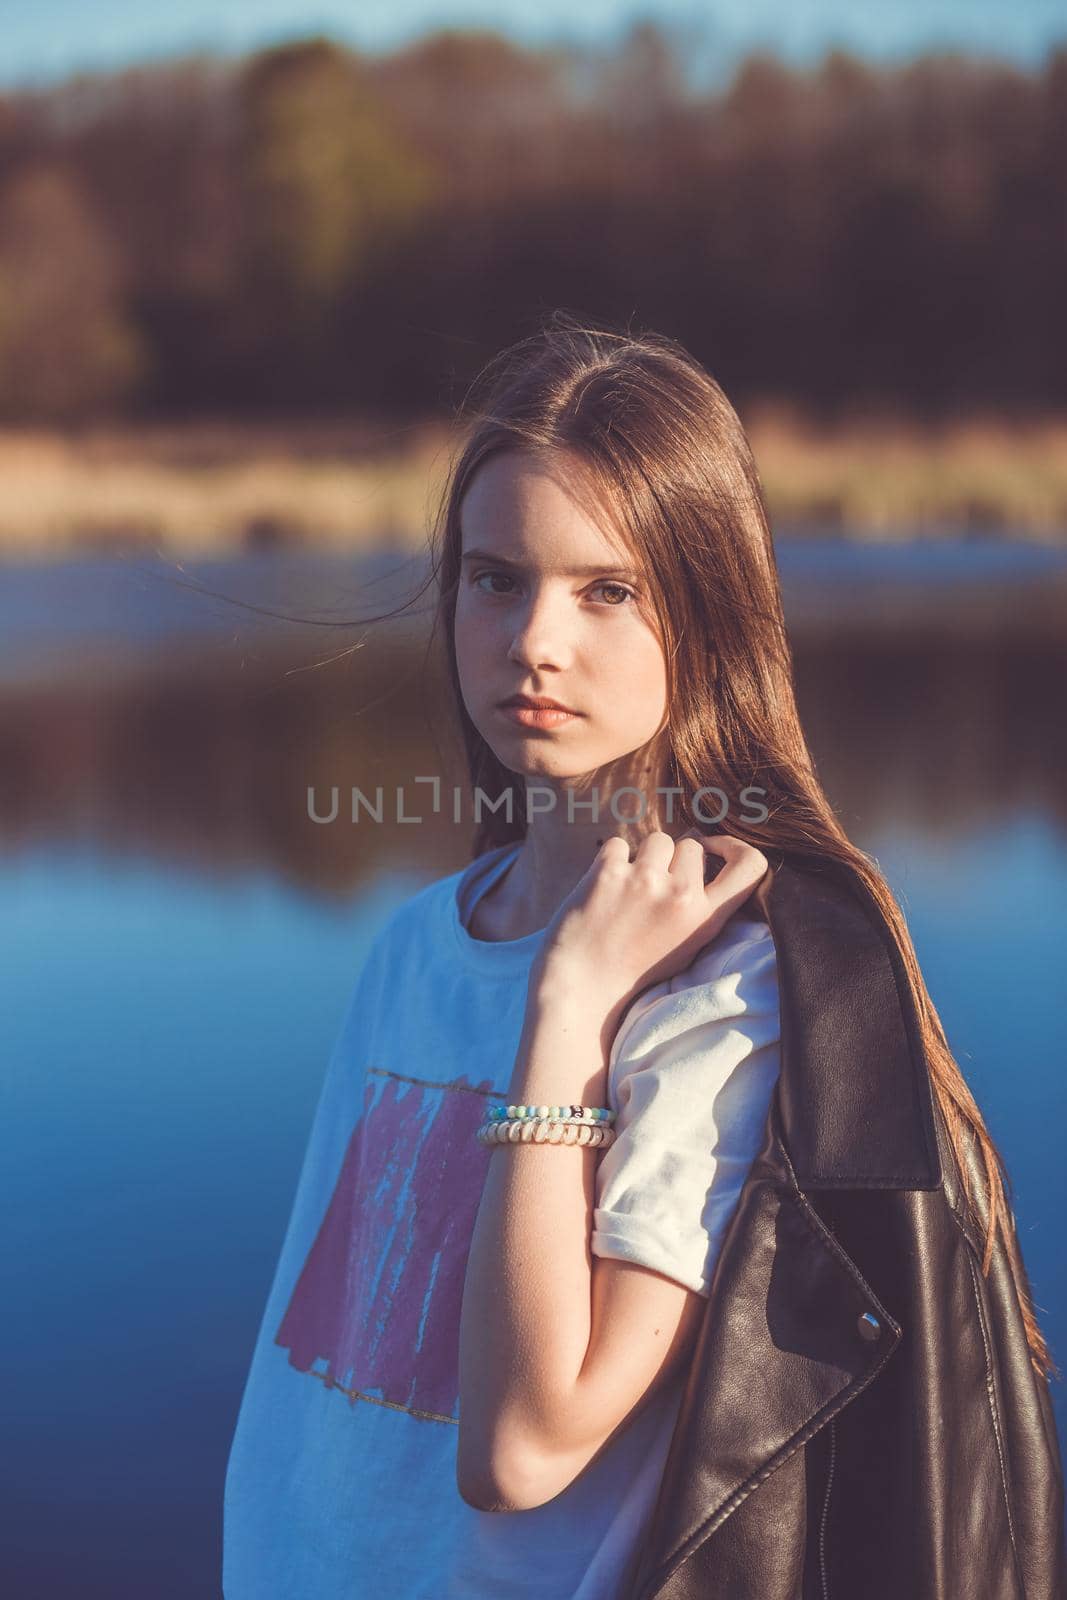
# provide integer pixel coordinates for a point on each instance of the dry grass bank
(214, 488)
(889, 478)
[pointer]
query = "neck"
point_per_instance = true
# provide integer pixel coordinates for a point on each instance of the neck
(557, 852)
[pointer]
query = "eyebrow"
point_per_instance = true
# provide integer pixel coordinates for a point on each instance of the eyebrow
(568, 572)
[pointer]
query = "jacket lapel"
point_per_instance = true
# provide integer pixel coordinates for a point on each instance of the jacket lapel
(855, 1090)
(792, 1331)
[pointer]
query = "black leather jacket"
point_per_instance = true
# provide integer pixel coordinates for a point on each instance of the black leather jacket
(861, 1420)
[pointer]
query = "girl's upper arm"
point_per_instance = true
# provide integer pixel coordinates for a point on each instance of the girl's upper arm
(692, 1074)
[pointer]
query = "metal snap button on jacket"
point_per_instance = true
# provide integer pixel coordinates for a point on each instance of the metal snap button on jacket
(868, 1325)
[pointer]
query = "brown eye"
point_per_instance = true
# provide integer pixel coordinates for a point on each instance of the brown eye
(490, 574)
(619, 588)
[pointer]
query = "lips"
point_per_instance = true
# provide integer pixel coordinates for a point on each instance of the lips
(534, 703)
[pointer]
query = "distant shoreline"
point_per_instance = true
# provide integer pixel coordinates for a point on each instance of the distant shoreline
(214, 488)
(91, 622)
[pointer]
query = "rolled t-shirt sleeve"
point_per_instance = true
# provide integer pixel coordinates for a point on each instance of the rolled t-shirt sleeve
(691, 1074)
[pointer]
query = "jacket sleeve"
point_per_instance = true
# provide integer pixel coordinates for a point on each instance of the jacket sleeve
(691, 1073)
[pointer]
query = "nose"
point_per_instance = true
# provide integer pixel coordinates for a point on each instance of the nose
(542, 635)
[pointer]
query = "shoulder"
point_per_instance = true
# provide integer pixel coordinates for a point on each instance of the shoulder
(744, 948)
(733, 978)
(422, 904)
(742, 955)
(417, 919)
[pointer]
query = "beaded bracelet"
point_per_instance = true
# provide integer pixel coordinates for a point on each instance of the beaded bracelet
(575, 1124)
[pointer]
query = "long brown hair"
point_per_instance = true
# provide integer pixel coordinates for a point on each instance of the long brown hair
(674, 472)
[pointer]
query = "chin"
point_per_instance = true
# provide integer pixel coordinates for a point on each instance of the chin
(534, 772)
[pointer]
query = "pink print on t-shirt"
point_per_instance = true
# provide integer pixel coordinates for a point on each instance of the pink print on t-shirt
(376, 1307)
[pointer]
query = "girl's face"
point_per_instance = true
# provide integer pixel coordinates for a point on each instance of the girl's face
(547, 606)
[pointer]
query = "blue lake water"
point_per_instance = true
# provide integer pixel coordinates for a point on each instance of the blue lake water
(180, 944)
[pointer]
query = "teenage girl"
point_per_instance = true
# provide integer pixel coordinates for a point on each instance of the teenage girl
(556, 1068)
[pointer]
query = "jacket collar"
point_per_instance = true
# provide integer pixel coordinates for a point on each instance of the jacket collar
(854, 1089)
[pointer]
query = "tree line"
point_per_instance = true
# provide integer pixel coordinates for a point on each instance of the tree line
(313, 228)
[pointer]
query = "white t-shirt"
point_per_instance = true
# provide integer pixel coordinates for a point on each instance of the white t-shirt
(342, 1473)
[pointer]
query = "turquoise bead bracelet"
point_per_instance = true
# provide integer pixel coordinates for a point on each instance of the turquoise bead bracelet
(574, 1124)
(579, 1113)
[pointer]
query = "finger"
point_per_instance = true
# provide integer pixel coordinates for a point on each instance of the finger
(655, 852)
(744, 870)
(690, 859)
(716, 849)
(615, 849)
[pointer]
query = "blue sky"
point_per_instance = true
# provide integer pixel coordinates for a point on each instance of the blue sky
(54, 38)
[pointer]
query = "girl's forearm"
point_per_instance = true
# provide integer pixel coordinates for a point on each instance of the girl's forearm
(526, 1319)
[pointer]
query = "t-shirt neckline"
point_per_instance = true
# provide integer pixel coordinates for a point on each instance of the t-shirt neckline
(489, 955)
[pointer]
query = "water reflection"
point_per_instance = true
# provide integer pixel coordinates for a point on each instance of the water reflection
(212, 769)
(937, 739)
